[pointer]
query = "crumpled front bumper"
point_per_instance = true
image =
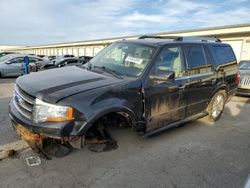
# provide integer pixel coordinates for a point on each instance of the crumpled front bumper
(50, 129)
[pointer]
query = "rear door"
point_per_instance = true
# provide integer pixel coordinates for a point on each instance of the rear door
(226, 66)
(200, 78)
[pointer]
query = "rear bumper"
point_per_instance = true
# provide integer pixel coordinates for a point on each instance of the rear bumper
(243, 92)
(50, 129)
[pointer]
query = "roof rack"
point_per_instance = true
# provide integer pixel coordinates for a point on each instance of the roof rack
(178, 38)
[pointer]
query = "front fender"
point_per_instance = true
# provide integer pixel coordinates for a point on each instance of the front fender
(101, 108)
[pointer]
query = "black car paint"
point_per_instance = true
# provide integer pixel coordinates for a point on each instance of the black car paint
(93, 95)
(64, 84)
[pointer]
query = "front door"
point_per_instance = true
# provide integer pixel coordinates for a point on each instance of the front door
(13, 68)
(165, 101)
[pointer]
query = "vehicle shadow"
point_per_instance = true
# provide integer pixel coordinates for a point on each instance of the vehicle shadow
(7, 80)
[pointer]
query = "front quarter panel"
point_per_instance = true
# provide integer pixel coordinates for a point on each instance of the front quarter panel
(92, 105)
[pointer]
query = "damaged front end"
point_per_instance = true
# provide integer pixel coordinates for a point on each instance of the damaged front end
(48, 146)
(96, 139)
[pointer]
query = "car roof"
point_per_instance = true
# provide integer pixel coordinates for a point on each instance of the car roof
(11, 56)
(160, 42)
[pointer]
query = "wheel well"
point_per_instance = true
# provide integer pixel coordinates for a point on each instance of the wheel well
(216, 91)
(113, 119)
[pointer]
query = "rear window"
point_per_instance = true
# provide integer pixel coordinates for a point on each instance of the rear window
(224, 54)
(195, 56)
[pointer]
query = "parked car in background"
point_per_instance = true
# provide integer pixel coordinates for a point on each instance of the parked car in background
(51, 57)
(85, 59)
(41, 56)
(66, 56)
(244, 85)
(57, 63)
(11, 65)
(149, 84)
(6, 53)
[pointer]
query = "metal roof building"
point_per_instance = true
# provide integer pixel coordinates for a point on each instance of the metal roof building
(236, 35)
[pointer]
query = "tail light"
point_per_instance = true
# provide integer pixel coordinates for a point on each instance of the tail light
(237, 78)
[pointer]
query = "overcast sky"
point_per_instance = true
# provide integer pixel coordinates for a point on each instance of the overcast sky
(34, 22)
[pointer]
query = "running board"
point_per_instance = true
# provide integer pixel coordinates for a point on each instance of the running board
(172, 125)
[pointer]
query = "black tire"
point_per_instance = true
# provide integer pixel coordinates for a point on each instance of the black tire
(216, 106)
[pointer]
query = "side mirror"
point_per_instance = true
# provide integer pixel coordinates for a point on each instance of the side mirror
(164, 77)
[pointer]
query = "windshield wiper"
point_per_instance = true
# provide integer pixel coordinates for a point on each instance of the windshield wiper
(112, 72)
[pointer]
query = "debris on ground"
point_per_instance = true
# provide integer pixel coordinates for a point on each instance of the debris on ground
(33, 161)
(98, 139)
(8, 153)
(103, 147)
(52, 147)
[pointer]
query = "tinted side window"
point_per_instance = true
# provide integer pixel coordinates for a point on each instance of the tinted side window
(224, 54)
(195, 56)
(17, 60)
(33, 60)
(170, 58)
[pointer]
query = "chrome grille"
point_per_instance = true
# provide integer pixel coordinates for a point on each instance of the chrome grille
(245, 81)
(23, 102)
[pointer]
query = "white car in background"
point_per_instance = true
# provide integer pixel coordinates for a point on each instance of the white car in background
(244, 84)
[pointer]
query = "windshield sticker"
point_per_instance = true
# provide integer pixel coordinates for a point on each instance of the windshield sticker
(134, 60)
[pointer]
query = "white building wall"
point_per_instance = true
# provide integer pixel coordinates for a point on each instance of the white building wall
(75, 51)
(237, 36)
(237, 47)
(81, 51)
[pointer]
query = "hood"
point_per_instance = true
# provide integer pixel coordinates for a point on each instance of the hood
(56, 84)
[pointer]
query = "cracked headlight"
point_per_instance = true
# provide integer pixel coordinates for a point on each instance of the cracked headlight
(43, 111)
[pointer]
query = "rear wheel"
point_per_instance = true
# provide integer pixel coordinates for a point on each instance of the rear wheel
(216, 106)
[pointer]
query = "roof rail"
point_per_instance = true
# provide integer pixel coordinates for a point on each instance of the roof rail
(200, 39)
(178, 38)
(158, 37)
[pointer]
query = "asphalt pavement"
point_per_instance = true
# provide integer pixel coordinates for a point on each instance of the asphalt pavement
(198, 154)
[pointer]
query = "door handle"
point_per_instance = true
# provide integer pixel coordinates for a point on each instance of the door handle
(214, 80)
(182, 86)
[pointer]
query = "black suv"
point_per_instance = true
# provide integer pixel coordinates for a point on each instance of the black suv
(149, 84)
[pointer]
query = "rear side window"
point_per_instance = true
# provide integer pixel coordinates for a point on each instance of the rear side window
(224, 54)
(17, 60)
(195, 56)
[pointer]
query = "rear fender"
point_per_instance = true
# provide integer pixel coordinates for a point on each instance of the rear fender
(221, 87)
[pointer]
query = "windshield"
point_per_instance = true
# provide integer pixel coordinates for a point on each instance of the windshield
(5, 58)
(245, 65)
(123, 58)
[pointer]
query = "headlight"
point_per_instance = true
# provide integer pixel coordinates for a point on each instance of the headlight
(43, 111)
